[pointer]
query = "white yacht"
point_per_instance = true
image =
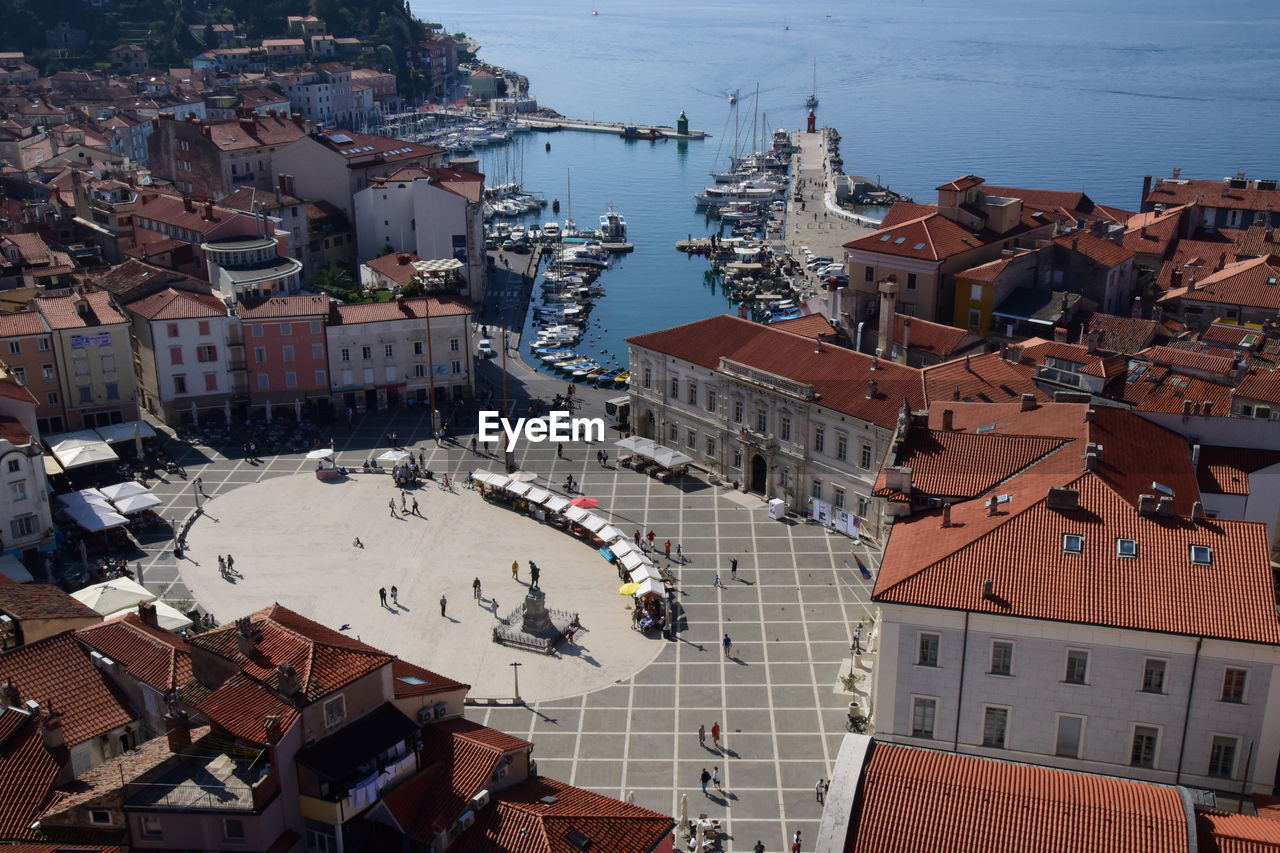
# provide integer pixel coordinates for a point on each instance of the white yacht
(551, 231)
(613, 226)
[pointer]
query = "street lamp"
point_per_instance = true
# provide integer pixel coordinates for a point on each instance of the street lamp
(515, 672)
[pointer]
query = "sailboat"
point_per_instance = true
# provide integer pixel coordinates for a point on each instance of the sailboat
(570, 227)
(812, 100)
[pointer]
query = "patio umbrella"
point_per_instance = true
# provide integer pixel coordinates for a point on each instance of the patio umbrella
(136, 503)
(226, 412)
(628, 589)
(394, 456)
(195, 413)
(585, 503)
(113, 595)
(297, 409)
(268, 414)
(169, 617)
(124, 490)
(322, 453)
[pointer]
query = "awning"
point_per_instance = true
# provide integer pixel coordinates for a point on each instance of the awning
(12, 568)
(77, 449)
(650, 587)
(95, 518)
(636, 444)
(609, 533)
(520, 489)
(114, 595)
(125, 431)
(124, 490)
(594, 523)
(646, 572)
(51, 466)
(490, 479)
(169, 617)
(437, 265)
(555, 503)
(623, 547)
(538, 495)
(631, 559)
(136, 503)
(668, 458)
(84, 497)
(578, 514)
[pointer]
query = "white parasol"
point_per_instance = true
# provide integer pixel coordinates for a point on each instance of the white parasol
(322, 453)
(297, 409)
(395, 457)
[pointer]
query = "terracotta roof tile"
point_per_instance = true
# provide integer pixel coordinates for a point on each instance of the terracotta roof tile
(966, 464)
(432, 682)
(916, 800)
(840, 376)
(1096, 249)
(1254, 241)
(960, 184)
(1238, 337)
(170, 209)
(57, 668)
(1153, 233)
(241, 705)
(1260, 385)
(1072, 204)
(1253, 283)
(60, 312)
(173, 304)
(985, 378)
(990, 271)
(266, 130)
(154, 656)
(1223, 832)
(363, 149)
(933, 338)
(42, 601)
(1170, 191)
(809, 326)
(520, 820)
(300, 305)
(1226, 470)
(1122, 334)
(27, 773)
(1183, 358)
(1151, 388)
(412, 308)
(903, 211)
(323, 659)
(932, 237)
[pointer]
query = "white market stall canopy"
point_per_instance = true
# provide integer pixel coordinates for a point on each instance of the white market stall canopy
(499, 481)
(95, 518)
(437, 265)
(594, 523)
(12, 568)
(645, 572)
(636, 444)
(648, 587)
(631, 559)
(84, 497)
(555, 503)
(520, 489)
(125, 432)
(577, 514)
(623, 547)
(126, 489)
(167, 616)
(136, 503)
(538, 495)
(610, 533)
(113, 596)
(395, 457)
(668, 458)
(77, 449)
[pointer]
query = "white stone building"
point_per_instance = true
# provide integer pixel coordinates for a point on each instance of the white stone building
(25, 520)
(782, 415)
(1053, 593)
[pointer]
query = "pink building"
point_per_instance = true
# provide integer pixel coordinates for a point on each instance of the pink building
(285, 342)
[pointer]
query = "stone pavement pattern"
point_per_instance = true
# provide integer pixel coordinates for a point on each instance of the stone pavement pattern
(790, 615)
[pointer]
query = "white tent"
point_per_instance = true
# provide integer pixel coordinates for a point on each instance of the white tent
(668, 458)
(125, 431)
(636, 444)
(631, 559)
(77, 449)
(169, 617)
(136, 503)
(95, 518)
(323, 453)
(12, 568)
(623, 547)
(649, 586)
(124, 490)
(578, 514)
(609, 533)
(520, 489)
(84, 497)
(395, 457)
(555, 503)
(594, 523)
(646, 572)
(538, 495)
(114, 595)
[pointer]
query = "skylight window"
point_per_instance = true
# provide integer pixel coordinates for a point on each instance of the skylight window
(886, 238)
(1072, 543)
(987, 428)
(340, 137)
(1201, 555)
(411, 679)
(917, 247)
(1126, 548)
(900, 240)
(1161, 487)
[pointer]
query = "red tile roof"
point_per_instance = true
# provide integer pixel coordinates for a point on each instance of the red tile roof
(1020, 547)
(1122, 334)
(932, 338)
(27, 773)
(324, 660)
(411, 308)
(173, 304)
(57, 668)
(396, 266)
(1260, 385)
(1153, 233)
(915, 800)
(903, 211)
(1223, 832)
(300, 305)
(1096, 249)
(990, 271)
(460, 182)
(241, 705)
(1065, 204)
(12, 429)
(1253, 283)
(839, 376)
(1220, 365)
(1226, 470)
(60, 312)
(1152, 388)
(42, 601)
(169, 209)
(1254, 241)
(933, 237)
(809, 326)
(961, 184)
(522, 820)
(1170, 191)
(987, 378)
(1227, 335)
(364, 149)
(432, 682)
(966, 464)
(154, 656)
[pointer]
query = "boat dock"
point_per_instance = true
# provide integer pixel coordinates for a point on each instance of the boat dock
(614, 127)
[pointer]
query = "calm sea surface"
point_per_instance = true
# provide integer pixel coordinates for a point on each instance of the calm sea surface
(1090, 95)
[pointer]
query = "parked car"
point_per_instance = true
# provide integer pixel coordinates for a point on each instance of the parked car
(818, 262)
(484, 349)
(832, 269)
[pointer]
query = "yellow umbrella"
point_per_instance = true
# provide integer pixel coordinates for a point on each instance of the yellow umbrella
(628, 589)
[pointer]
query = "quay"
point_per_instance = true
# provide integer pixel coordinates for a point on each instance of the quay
(614, 127)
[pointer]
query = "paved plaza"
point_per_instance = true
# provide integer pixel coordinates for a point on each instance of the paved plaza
(626, 727)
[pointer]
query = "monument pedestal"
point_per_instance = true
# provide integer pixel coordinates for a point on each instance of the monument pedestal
(537, 620)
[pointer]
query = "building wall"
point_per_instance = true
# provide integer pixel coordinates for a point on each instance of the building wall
(265, 345)
(1111, 702)
(382, 217)
(206, 830)
(187, 336)
(104, 369)
(24, 499)
(34, 362)
(318, 173)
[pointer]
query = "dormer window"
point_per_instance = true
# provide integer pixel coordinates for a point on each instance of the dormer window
(1201, 555)
(1126, 548)
(1072, 543)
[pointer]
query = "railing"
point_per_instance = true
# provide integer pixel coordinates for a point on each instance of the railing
(192, 795)
(770, 380)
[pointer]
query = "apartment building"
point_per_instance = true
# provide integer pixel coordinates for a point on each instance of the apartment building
(89, 338)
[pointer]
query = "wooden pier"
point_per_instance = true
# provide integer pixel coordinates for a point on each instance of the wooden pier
(614, 127)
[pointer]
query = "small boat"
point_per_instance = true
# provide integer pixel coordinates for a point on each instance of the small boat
(733, 97)
(605, 380)
(613, 226)
(812, 100)
(623, 378)
(551, 230)
(582, 371)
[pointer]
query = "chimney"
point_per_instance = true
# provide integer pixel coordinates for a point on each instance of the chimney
(10, 697)
(187, 205)
(872, 388)
(179, 732)
(1147, 505)
(51, 729)
(287, 680)
(1060, 334)
(248, 125)
(1091, 342)
(208, 210)
(955, 394)
(1197, 513)
(1089, 415)
(1175, 279)
(898, 478)
(297, 120)
(988, 590)
(968, 364)
(245, 640)
(1164, 506)
(1062, 499)
(271, 724)
(1188, 408)
(906, 339)
(288, 185)
(946, 515)
(403, 258)
(1028, 402)
(947, 416)
(1206, 408)
(817, 344)
(991, 506)
(1075, 243)
(147, 613)
(1091, 462)
(1015, 353)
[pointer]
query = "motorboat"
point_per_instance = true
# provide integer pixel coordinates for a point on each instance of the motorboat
(624, 378)
(551, 231)
(613, 226)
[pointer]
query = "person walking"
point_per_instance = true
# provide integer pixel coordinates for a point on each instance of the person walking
(728, 645)
(705, 778)
(679, 553)
(404, 505)
(637, 537)
(391, 505)
(356, 543)
(733, 568)
(200, 486)
(395, 594)
(231, 565)
(759, 848)
(415, 507)
(719, 583)
(559, 449)
(702, 735)
(222, 566)
(604, 459)
(820, 791)
(382, 596)
(795, 842)
(715, 734)
(444, 602)
(650, 536)
(475, 590)
(666, 548)
(715, 779)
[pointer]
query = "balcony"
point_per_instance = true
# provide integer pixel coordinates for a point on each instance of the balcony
(217, 783)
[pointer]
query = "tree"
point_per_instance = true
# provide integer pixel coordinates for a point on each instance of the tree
(387, 249)
(335, 281)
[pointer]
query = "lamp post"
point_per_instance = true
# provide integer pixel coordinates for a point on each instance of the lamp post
(515, 672)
